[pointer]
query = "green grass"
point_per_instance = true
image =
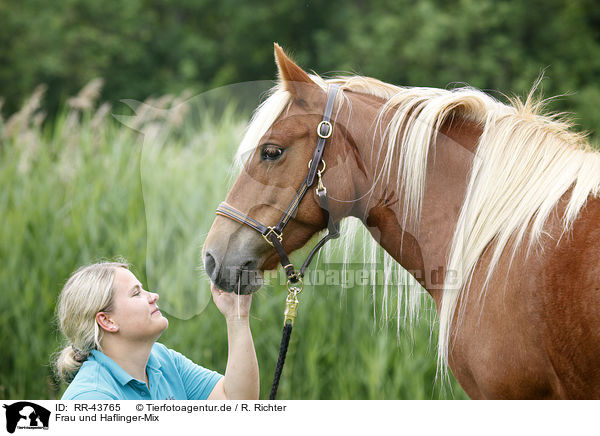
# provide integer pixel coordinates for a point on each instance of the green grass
(85, 187)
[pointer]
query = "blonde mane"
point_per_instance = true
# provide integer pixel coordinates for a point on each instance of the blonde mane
(524, 163)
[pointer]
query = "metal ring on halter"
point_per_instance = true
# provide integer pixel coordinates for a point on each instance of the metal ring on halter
(322, 169)
(329, 129)
(294, 288)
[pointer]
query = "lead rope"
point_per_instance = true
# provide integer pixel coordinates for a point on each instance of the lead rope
(295, 285)
(291, 307)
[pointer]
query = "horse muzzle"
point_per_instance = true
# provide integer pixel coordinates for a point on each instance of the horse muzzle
(232, 264)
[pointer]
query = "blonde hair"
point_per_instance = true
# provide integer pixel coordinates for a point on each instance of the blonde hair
(88, 291)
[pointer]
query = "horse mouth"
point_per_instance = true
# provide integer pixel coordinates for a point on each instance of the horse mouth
(248, 280)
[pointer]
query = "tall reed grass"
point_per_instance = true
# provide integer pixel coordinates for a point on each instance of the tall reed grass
(85, 187)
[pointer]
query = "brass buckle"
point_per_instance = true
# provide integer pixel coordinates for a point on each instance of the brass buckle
(329, 131)
(271, 230)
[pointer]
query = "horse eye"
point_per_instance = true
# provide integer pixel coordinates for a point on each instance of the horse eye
(271, 152)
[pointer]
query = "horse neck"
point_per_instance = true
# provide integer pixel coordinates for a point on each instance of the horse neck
(420, 245)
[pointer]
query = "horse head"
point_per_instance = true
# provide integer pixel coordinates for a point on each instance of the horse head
(276, 153)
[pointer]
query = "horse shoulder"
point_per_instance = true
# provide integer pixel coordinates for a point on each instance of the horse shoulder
(534, 332)
(570, 303)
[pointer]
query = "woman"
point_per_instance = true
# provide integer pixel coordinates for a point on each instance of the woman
(112, 325)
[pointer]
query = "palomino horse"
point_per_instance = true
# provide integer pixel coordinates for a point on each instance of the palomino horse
(502, 198)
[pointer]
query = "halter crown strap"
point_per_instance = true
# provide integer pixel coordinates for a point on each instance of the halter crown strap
(324, 131)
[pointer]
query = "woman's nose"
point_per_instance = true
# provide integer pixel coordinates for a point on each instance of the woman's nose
(153, 297)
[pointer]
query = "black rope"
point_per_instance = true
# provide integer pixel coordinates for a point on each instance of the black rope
(285, 341)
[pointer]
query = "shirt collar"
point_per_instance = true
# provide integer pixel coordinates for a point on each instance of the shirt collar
(153, 362)
(119, 373)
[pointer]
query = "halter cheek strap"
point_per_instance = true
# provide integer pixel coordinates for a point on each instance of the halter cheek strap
(274, 234)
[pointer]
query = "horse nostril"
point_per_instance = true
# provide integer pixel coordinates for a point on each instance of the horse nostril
(210, 264)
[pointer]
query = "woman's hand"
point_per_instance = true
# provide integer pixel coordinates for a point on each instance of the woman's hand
(241, 381)
(231, 305)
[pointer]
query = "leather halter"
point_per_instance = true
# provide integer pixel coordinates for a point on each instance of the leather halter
(274, 234)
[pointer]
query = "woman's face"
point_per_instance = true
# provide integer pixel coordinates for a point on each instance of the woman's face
(135, 312)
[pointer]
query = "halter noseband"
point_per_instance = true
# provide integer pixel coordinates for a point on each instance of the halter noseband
(274, 234)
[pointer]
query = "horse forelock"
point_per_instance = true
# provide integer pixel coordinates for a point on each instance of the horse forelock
(544, 158)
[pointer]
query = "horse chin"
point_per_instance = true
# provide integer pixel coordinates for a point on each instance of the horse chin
(247, 290)
(270, 263)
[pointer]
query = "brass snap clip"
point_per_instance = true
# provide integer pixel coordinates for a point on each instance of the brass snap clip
(321, 189)
(291, 302)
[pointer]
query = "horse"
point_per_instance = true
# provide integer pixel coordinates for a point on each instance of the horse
(501, 198)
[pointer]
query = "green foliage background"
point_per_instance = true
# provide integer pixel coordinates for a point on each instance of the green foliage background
(152, 47)
(72, 194)
(70, 173)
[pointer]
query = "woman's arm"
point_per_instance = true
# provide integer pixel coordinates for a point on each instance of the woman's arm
(241, 381)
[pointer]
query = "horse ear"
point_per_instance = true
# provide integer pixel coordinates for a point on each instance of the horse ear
(295, 80)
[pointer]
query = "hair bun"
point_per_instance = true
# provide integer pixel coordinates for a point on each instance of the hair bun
(79, 355)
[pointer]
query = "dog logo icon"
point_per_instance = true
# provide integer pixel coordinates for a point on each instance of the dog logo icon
(26, 415)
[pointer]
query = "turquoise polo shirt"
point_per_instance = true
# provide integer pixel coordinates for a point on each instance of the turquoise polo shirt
(171, 376)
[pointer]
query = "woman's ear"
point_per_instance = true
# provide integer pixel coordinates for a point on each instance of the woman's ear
(106, 323)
